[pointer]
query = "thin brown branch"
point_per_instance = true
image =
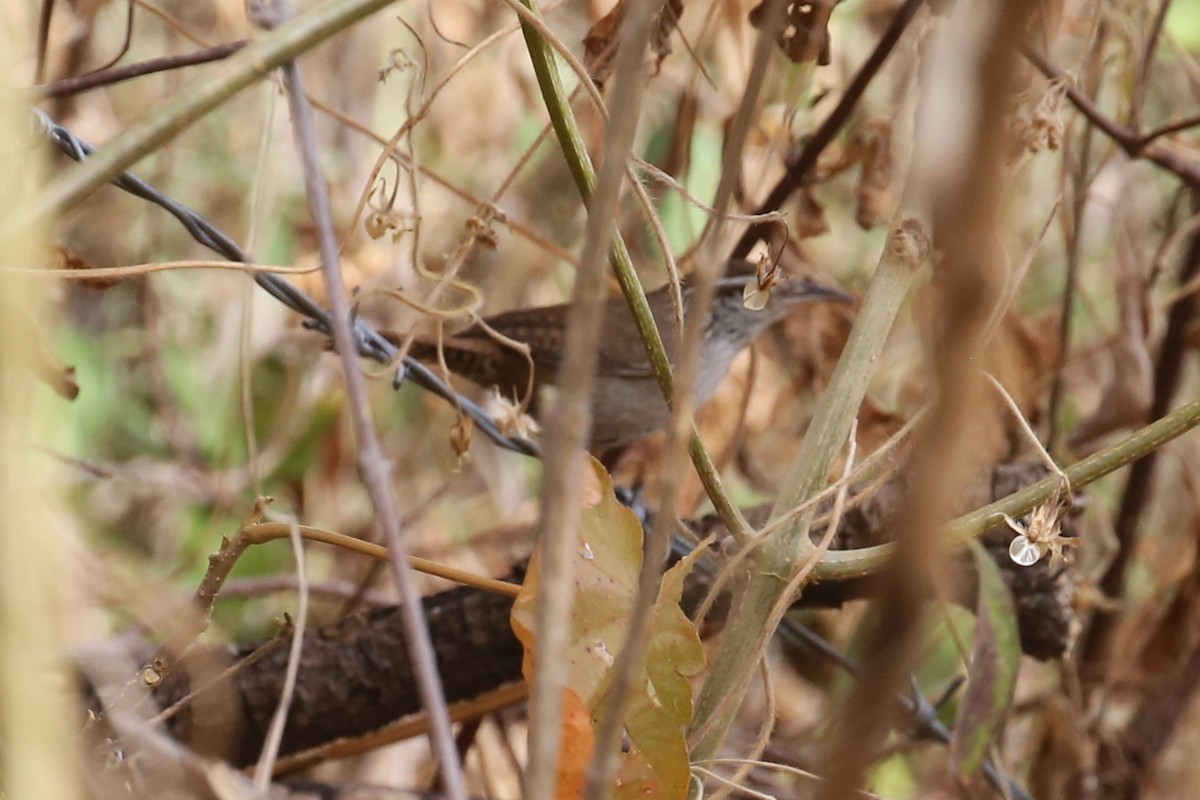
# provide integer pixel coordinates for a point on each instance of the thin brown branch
(1081, 183)
(1097, 641)
(515, 225)
(798, 171)
(372, 460)
(265, 766)
(1145, 65)
(107, 77)
(128, 40)
(188, 626)
(1171, 127)
(1127, 139)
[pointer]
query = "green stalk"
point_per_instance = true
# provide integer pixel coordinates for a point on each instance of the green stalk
(774, 562)
(580, 164)
(847, 564)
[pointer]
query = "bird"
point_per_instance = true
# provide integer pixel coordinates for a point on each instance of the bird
(627, 404)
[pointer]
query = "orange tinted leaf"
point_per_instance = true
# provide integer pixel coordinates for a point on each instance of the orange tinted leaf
(578, 742)
(69, 260)
(608, 560)
(657, 764)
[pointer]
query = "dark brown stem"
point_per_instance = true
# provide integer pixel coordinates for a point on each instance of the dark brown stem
(372, 461)
(1067, 306)
(45, 12)
(124, 44)
(1138, 95)
(107, 77)
(1127, 139)
(798, 171)
(1141, 474)
(1171, 127)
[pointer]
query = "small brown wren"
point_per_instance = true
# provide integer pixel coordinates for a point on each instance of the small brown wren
(627, 404)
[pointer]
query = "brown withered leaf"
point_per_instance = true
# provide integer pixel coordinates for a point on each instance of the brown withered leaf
(1035, 122)
(1023, 358)
(460, 436)
(1128, 396)
(69, 260)
(805, 35)
(600, 43)
(809, 220)
(873, 141)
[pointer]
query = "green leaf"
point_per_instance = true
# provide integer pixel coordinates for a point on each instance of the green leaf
(994, 662)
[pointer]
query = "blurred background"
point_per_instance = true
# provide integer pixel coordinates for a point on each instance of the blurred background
(197, 391)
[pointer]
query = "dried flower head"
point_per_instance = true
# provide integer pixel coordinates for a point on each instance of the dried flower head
(460, 435)
(511, 417)
(1042, 535)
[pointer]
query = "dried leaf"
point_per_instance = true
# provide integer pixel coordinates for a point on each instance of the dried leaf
(1036, 122)
(809, 220)
(873, 144)
(460, 435)
(606, 576)
(1044, 534)
(512, 418)
(600, 43)
(994, 662)
(659, 712)
(805, 34)
(1128, 396)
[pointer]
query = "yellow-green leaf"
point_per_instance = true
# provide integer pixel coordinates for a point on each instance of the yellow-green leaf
(606, 569)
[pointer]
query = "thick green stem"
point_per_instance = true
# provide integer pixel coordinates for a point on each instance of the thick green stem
(578, 161)
(773, 564)
(847, 564)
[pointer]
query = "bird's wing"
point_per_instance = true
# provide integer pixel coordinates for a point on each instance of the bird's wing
(622, 353)
(537, 328)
